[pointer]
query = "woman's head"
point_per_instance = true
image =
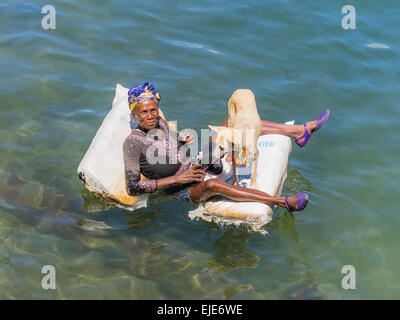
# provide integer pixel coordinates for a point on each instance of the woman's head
(143, 103)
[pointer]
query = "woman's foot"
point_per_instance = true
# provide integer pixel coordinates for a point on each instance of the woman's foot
(297, 202)
(310, 127)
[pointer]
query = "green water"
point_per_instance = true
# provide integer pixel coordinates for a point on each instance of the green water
(57, 86)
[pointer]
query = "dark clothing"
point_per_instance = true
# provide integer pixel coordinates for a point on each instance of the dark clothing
(156, 154)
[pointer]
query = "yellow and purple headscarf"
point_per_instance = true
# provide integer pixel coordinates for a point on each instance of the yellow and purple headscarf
(138, 94)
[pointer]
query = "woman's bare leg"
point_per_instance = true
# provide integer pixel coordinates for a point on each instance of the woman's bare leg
(214, 187)
(269, 127)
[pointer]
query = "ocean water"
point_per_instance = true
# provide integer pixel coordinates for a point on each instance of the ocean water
(56, 86)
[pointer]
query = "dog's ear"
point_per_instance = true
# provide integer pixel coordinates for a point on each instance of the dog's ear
(217, 129)
(225, 132)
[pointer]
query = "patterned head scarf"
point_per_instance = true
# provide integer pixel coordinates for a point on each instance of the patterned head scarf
(138, 94)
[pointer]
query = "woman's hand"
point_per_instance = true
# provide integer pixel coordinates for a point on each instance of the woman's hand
(194, 173)
(186, 137)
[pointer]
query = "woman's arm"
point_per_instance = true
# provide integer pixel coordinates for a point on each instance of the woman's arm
(193, 174)
(136, 186)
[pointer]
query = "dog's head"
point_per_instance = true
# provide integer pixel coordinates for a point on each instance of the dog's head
(225, 141)
(230, 139)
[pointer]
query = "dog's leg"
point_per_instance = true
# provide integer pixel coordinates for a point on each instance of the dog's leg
(235, 173)
(253, 181)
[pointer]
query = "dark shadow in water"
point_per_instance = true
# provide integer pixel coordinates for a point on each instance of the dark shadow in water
(142, 219)
(295, 183)
(41, 206)
(93, 202)
(285, 224)
(303, 290)
(232, 251)
(40, 198)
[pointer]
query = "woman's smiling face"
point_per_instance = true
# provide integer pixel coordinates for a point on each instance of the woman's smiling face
(146, 114)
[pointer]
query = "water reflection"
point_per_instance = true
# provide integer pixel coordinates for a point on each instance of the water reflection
(145, 218)
(142, 219)
(93, 202)
(285, 224)
(232, 251)
(295, 182)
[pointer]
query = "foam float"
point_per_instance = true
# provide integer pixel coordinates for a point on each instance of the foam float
(274, 151)
(102, 167)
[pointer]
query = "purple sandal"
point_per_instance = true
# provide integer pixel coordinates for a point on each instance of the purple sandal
(302, 200)
(320, 122)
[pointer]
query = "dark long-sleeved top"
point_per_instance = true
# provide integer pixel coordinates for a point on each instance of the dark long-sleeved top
(156, 155)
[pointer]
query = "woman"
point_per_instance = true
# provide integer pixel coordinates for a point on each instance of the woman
(181, 179)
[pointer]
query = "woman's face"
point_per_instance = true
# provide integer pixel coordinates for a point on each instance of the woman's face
(146, 114)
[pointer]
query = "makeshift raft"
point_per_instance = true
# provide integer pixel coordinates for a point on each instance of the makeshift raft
(102, 169)
(274, 153)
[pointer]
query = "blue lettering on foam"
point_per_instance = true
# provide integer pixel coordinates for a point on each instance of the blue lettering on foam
(266, 144)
